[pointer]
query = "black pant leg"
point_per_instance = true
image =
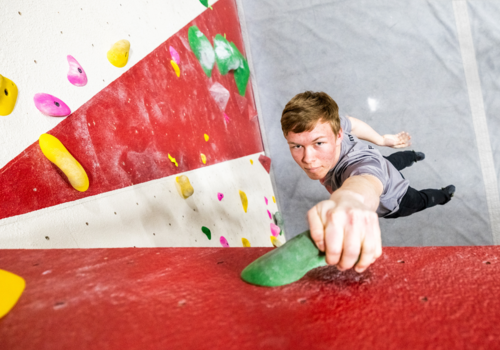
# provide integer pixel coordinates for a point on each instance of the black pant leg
(402, 159)
(414, 201)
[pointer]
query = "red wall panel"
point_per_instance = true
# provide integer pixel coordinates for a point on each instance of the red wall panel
(123, 135)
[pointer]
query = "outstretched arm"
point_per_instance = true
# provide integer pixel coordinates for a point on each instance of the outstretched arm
(365, 132)
(346, 226)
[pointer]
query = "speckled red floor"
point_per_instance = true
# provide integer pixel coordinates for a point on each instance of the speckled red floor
(193, 298)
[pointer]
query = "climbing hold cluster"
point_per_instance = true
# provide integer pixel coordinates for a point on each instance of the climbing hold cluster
(278, 220)
(225, 53)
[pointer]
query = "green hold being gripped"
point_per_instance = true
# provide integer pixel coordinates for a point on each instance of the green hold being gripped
(285, 264)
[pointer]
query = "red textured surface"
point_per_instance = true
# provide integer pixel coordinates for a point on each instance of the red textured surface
(266, 162)
(123, 135)
(193, 298)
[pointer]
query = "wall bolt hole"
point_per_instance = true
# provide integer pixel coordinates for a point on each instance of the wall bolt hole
(79, 70)
(56, 103)
(6, 92)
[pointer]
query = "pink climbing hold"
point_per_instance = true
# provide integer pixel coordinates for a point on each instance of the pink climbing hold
(224, 242)
(226, 118)
(267, 202)
(266, 162)
(220, 196)
(270, 215)
(275, 230)
(51, 105)
(175, 55)
(76, 74)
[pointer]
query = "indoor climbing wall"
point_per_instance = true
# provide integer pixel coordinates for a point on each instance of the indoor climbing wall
(131, 125)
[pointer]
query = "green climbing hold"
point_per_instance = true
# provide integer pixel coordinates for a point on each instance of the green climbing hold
(278, 220)
(205, 3)
(242, 74)
(226, 57)
(206, 231)
(202, 49)
(285, 264)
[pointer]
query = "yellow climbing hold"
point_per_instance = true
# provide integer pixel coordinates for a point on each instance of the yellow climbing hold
(118, 54)
(244, 200)
(55, 151)
(251, 161)
(274, 199)
(176, 68)
(184, 186)
(11, 288)
(206, 137)
(172, 159)
(203, 158)
(245, 242)
(276, 242)
(8, 95)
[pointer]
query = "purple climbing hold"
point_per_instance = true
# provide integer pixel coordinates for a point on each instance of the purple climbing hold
(267, 202)
(224, 242)
(220, 196)
(266, 162)
(270, 215)
(76, 74)
(51, 105)
(175, 55)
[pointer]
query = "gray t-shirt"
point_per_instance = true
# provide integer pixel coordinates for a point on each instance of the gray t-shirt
(357, 158)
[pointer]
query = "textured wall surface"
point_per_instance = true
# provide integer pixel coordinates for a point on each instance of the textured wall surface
(193, 298)
(124, 134)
